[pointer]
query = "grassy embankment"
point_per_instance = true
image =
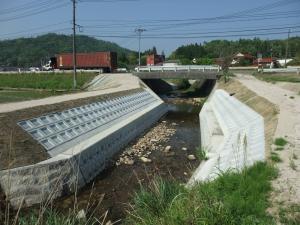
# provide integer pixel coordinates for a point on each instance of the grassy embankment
(278, 77)
(20, 87)
(233, 198)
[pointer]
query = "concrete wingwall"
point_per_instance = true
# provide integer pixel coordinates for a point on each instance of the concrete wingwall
(67, 172)
(232, 135)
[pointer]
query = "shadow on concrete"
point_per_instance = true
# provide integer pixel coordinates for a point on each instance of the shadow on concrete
(158, 86)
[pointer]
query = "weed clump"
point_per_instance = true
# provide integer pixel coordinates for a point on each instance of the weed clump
(280, 142)
(201, 153)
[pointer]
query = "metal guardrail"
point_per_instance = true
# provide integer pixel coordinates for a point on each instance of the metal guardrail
(178, 68)
(282, 70)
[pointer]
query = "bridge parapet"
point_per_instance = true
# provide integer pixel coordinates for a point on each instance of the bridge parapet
(188, 68)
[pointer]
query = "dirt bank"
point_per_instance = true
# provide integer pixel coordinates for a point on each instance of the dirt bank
(286, 192)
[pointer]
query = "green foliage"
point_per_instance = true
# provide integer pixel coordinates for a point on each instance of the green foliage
(154, 200)
(201, 153)
(275, 157)
(50, 217)
(49, 81)
(189, 52)
(233, 198)
(17, 96)
(293, 78)
(280, 141)
(223, 48)
(185, 61)
(279, 148)
(290, 215)
(204, 61)
(183, 83)
(26, 52)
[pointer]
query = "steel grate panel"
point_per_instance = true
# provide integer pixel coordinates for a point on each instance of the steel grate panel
(58, 128)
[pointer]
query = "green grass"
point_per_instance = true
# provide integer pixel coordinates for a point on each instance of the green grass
(290, 215)
(49, 81)
(50, 217)
(275, 77)
(280, 142)
(17, 96)
(233, 198)
(275, 157)
(201, 153)
(279, 148)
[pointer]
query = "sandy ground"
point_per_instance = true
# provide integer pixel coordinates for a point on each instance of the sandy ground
(289, 86)
(287, 185)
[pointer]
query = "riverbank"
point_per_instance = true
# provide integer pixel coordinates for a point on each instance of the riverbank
(285, 197)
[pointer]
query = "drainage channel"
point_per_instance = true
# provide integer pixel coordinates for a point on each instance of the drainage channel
(179, 130)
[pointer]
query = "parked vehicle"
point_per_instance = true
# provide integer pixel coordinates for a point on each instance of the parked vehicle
(107, 61)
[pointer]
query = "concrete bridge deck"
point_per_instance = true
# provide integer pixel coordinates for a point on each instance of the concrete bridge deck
(176, 72)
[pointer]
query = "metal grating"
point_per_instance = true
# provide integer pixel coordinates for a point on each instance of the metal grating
(55, 129)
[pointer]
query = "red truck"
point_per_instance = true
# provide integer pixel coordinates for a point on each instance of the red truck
(107, 61)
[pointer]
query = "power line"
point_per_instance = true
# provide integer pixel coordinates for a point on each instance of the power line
(35, 11)
(194, 37)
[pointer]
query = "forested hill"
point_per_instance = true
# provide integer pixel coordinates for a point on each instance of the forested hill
(224, 48)
(25, 52)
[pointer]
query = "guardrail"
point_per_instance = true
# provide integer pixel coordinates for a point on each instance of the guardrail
(282, 70)
(178, 68)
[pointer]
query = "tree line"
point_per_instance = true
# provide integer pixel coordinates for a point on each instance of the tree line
(204, 53)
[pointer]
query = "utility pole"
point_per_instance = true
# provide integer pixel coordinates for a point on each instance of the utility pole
(287, 48)
(74, 45)
(140, 31)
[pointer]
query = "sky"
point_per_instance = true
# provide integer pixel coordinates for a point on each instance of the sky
(168, 24)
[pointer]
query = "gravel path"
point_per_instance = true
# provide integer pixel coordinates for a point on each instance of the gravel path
(287, 185)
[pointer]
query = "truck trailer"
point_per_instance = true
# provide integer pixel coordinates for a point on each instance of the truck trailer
(107, 61)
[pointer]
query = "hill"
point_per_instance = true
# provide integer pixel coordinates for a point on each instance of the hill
(26, 52)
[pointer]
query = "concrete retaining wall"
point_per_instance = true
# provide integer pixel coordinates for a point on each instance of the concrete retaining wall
(77, 166)
(232, 135)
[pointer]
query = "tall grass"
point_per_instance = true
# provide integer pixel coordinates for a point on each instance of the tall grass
(52, 81)
(233, 198)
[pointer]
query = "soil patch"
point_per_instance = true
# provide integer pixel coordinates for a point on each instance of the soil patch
(17, 148)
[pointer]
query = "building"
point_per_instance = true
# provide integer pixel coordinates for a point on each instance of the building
(242, 58)
(266, 62)
(154, 59)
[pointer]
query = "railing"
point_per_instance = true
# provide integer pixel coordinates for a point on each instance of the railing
(283, 70)
(188, 68)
